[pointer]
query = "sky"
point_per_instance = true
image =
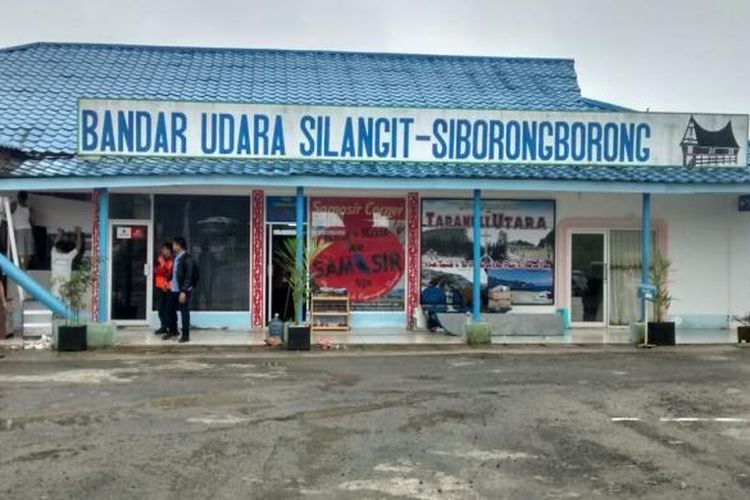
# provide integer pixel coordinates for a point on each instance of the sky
(662, 55)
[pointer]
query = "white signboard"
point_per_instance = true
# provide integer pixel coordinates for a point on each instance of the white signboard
(331, 133)
(124, 233)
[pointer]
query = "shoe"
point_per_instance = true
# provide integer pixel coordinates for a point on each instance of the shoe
(168, 335)
(160, 331)
(183, 340)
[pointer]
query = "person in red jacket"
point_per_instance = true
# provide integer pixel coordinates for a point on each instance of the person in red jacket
(163, 285)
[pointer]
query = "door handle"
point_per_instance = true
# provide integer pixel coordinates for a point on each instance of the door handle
(146, 269)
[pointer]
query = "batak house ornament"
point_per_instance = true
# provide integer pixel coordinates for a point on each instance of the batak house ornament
(701, 147)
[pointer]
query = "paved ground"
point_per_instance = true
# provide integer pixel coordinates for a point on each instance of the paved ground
(518, 423)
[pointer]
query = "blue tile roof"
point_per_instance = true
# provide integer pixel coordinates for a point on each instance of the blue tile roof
(109, 167)
(42, 82)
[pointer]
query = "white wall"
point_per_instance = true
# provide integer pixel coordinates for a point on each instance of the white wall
(708, 242)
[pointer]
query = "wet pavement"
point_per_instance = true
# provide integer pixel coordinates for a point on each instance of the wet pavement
(515, 423)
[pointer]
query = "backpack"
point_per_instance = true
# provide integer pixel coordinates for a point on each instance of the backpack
(196, 277)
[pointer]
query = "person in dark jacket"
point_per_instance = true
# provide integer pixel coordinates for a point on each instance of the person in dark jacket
(184, 273)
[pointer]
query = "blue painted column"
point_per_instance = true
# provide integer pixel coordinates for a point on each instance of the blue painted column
(103, 253)
(477, 285)
(645, 247)
(300, 242)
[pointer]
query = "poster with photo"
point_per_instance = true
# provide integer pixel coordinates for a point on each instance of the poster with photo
(517, 252)
(365, 255)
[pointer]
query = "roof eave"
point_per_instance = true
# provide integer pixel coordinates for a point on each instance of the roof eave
(405, 183)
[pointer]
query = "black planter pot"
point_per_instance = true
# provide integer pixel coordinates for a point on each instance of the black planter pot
(743, 334)
(661, 333)
(298, 338)
(71, 338)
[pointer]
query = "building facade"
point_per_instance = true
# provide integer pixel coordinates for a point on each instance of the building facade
(463, 176)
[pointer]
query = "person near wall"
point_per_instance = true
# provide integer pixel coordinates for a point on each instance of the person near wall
(3, 240)
(185, 277)
(163, 285)
(22, 227)
(4, 305)
(433, 300)
(5, 312)
(64, 251)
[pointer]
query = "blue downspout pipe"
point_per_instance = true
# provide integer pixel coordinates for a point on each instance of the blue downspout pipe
(300, 243)
(35, 289)
(477, 285)
(103, 253)
(645, 247)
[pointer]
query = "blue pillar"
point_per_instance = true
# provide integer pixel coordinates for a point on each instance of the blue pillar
(477, 285)
(103, 253)
(34, 289)
(645, 247)
(300, 243)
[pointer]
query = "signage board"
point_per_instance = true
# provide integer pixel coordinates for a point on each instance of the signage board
(342, 133)
(283, 209)
(124, 233)
(517, 253)
(365, 252)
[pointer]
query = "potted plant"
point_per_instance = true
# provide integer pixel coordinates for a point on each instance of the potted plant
(743, 330)
(661, 331)
(71, 335)
(300, 283)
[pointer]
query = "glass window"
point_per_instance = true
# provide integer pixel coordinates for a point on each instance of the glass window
(365, 255)
(517, 254)
(625, 275)
(129, 206)
(217, 230)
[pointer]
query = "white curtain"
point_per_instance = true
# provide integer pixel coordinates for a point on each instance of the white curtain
(625, 275)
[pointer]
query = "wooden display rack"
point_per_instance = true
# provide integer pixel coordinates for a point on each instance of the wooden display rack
(332, 310)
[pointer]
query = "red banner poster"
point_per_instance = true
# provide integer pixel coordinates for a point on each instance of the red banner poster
(366, 251)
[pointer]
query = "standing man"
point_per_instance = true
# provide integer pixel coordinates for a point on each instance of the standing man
(22, 224)
(184, 280)
(163, 285)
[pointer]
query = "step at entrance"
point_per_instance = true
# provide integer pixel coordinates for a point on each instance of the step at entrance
(37, 320)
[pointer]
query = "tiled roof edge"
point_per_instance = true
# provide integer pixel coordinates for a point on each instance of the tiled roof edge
(605, 105)
(182, 48)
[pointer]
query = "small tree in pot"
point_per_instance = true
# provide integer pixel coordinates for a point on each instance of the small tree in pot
(301, 284)
(71, 336)
(661, 331)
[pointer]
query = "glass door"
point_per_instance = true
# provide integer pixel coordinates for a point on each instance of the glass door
(278, 291)
(588, 278)
(129, 271)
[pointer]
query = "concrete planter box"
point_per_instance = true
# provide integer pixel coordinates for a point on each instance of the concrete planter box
(636, 333)
(100, 335)
(478, 334)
